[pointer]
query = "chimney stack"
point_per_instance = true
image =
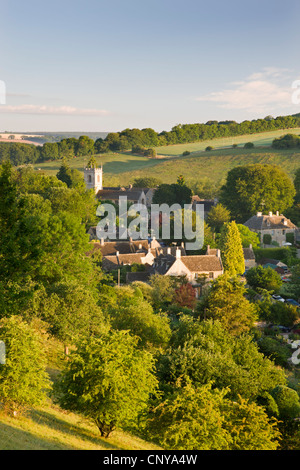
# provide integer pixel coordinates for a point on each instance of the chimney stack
(169, 250)
(178, 253)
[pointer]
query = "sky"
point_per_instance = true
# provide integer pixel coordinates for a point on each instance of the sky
(104, 66)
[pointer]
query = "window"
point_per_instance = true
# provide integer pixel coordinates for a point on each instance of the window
(89, 178)
(211, 275)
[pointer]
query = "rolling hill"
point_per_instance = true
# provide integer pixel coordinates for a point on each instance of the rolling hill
(123, 168)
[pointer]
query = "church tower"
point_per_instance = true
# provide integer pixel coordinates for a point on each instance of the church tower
(93, 176)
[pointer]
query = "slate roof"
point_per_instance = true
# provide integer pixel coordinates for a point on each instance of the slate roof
(267, 222)
(123, 247)
(114, 261)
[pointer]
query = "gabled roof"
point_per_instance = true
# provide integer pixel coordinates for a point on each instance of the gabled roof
(202, 263)
(115, 261)
(248, 253)
(123, 247)
(194, 263)
(267, 222)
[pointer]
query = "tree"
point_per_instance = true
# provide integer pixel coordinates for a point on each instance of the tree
(190, 418)
(288, 402)
(248, 237)
(146, 182)
(205, 352)
(23, 378)
(108, 380)
(217, 217)
(203, 418)
(226, 302)
(185, 296)
(162, 290)
(172, 194)
(256, 187)
(232, 250)
(128, 310)
(70, 176)
(264, 278)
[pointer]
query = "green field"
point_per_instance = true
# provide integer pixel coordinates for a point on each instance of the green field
(123, 168)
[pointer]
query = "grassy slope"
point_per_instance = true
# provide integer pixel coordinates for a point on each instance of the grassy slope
(122, 168)
(48, 427)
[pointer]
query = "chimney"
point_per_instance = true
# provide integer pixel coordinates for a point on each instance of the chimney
(102, 242)
(140, 246)
(259, 214)
(178, 253)
(270, 214)
(277, 213)
(207, 249)
(250, 246)
(169, 250)
(117, 253)
(218, 253)
(182, 244)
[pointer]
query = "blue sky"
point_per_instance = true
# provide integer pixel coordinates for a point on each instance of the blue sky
(105, 66)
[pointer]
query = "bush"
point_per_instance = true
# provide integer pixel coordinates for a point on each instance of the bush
(267, 239)
(186, 153)
(249, 145)
(208, 148)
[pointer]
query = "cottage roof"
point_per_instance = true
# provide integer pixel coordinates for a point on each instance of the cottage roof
(249, 253)
(123, 247)
(202, 263)
(267, 222)
(115, 261)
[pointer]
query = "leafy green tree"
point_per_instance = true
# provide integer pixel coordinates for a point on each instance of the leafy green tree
(163, 290)
(146, 182)
(70, 311)
(226, 302)
(108, 380)
(172, 194)
(288, 402)
(232, 250)
(203, 418)
(264, 278)
(217, 217)
(204, 352)
(70, 176)
(256, 187)
(128, 310)
(191, 419)
(248, 237)
(23, 378)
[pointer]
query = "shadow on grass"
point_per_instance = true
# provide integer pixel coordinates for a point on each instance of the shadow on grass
(47, 419)
(12, 438)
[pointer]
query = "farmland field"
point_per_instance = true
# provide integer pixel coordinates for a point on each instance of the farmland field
(122, 168)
